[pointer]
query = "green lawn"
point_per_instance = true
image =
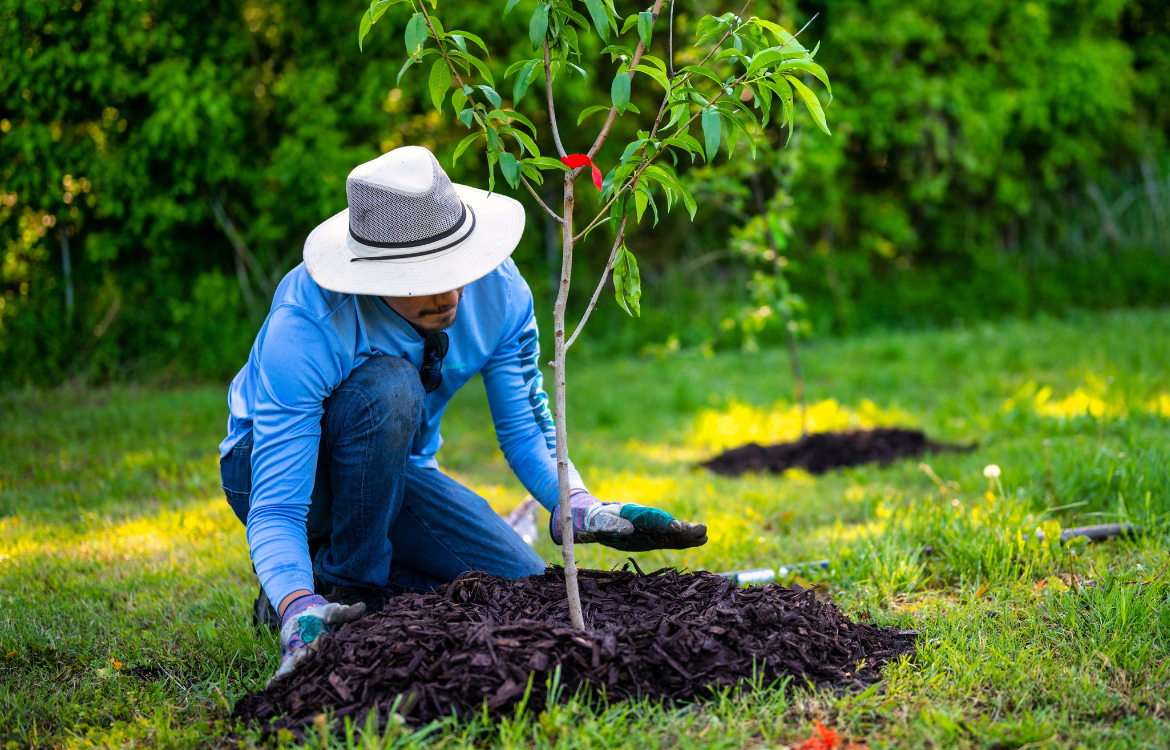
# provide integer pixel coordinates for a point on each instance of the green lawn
(125, 583)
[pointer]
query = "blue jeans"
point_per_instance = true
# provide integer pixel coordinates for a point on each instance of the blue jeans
(376, 519)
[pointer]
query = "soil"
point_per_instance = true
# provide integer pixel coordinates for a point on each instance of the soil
(824, 451)
(665, 635)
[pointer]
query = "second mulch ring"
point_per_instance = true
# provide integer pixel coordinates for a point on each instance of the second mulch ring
(825, 451)
(485, 640)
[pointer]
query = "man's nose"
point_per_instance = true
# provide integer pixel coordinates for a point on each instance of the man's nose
(447, 299)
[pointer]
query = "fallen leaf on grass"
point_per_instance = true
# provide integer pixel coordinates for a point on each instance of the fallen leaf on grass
(828, 739)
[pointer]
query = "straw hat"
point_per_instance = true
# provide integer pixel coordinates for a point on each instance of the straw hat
(410, 231)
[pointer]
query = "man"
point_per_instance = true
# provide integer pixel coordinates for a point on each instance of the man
(330, 455)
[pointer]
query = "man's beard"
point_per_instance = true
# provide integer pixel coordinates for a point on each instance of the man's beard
(433, 321)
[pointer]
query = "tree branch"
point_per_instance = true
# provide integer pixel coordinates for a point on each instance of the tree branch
(552, 111)
(637, 174)
(641, 48)
(547, 210)
(617, 243)
(451, 65)
(684, 126)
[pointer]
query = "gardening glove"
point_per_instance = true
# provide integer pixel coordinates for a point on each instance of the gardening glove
(303, 623)
(626, 526)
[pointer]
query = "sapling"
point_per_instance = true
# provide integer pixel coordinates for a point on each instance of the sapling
(763, 238)
(743, 59)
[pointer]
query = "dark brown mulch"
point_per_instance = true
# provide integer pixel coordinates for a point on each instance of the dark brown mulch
(665, 635)
(824, 451)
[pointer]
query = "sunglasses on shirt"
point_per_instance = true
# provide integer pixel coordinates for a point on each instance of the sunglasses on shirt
(434, 349)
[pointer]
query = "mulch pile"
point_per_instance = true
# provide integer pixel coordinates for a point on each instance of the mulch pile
(824, 451)
(665, 635)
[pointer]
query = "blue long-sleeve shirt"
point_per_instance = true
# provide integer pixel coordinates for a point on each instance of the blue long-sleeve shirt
(314, 338)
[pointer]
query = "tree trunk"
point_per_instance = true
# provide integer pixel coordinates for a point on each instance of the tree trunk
(574, 595)
(793, 354)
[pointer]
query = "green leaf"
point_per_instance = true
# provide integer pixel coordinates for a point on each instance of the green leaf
(483, 69)
(491, 95)
(655, 61)
(466, 116)
(521, 119)
(377, 9)
(632, 148)
(579, 70)
(468, 35)
(600, 19)
(654, 73)
(547, 162)
(516, 66)
(712, 131)
(538, 26)
(574, 16)
(458, 99)
(510, 168)
(631, 22)
(733, 135)
(463, 144)
(645, 27)
(531, 173)
(416, 34)
(619, 91)
(460, 42)
(526, 140)
(810, 67)
(508, 8)
(522, 81)
(649, 201)
(769, 57)
(705, 72)
(493, 139)
(615, 51)
(405, 65)
(439, 82)
(688, 200)
(763, 95)
(811, 102)
(737, 54)
(590, 111)
(782, 35)
(627, 282)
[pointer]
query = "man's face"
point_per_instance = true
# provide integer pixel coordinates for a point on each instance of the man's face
(432, 313)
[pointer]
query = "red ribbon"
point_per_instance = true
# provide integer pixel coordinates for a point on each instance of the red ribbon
(573, 161)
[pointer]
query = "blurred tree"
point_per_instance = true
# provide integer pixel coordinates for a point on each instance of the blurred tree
(178, 154)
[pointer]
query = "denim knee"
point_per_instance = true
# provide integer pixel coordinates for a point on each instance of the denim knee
(385, 390)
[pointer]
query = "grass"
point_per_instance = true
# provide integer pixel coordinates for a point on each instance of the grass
(125, 581)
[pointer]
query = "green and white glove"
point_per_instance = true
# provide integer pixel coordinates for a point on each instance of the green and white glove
(304, 621)
(628, 527)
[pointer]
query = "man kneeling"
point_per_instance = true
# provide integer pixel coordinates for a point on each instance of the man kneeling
(330, 454)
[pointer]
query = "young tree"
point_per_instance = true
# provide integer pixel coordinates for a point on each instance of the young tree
(763, 240)
(750, 69)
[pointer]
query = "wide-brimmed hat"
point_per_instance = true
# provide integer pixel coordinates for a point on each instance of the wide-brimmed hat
(410, 231)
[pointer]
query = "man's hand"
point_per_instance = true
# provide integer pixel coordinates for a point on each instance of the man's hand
(303, 622)
(626, 526)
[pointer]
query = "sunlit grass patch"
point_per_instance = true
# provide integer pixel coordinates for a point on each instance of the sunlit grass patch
(739, 423)
(1096, 398)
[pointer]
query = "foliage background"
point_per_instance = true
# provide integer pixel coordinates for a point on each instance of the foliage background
(989, 158)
